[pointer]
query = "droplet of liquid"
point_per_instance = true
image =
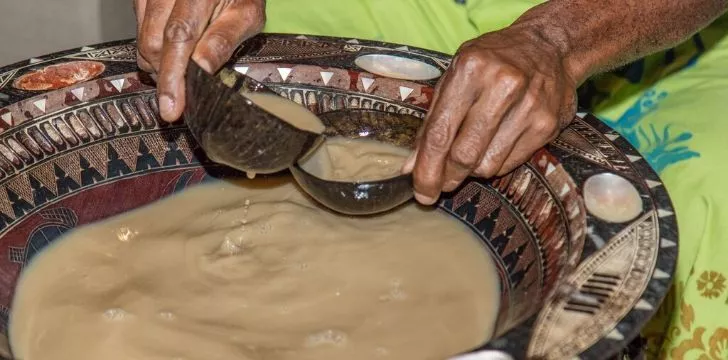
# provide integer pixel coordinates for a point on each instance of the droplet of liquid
(329, 337)
(115, 314)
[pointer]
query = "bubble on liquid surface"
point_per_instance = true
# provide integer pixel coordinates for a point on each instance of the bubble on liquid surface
(328, 337)
(115, 314)
(396, 292)
(125, 234)
(397, 67)
(167, 315)
(612, 198)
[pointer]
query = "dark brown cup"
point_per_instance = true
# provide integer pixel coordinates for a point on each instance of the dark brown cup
(369, 197)
(233, 131)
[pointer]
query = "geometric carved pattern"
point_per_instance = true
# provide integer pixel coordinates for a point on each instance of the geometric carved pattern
(126, 52)
(46, 175)
(583, 140)
(128, 150)
(20, 185)
(5, 77)
(630, 255)
(16, 254)
(97, 158)
(319, 102)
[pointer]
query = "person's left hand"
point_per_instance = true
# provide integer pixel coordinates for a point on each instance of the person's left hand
(505, 95)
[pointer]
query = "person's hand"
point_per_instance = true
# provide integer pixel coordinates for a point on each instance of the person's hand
(505, 95)
(170, 32)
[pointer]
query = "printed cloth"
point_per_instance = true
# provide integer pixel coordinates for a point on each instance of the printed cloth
(672, 106)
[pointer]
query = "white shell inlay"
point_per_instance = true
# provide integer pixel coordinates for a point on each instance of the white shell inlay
(78, 93)
(326, 76)
(612, 198)
(397, 67)
(615, 335)
(664, 213)
(118, 84)
(665, 243)
(40, 104)
(285, 72)
(8, 118)
(367, 83)
(405, 92)
(659, 274)
(634, 158)
(242, 69)
(644, 305)
(653, 184)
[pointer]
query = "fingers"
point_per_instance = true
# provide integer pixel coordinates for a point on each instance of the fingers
(542, 130)
(233, 22)
(527, 128)
(479, 128)
(139, 10)
(150, 39)
(453, 102)
(185, 26)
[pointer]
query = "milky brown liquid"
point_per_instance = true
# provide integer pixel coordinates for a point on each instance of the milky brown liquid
(288, 111)
(361, 159)
(225, 271)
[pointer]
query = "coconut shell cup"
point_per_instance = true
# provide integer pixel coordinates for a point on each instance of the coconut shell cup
(233, 131)
(368, 197)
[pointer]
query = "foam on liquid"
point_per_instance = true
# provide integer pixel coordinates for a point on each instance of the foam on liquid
(256, 270)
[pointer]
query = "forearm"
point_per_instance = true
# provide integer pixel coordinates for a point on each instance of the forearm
(595, 36)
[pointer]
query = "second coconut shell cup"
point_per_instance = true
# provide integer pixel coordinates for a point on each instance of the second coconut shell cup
(367, 197)
(233, 131)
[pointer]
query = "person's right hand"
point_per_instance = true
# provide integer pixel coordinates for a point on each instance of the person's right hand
(170, 32)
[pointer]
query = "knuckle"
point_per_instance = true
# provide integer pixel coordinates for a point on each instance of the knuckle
(220, 44)
(511, 77)
(150, 46)
(472, 59)
(465, 155)
(544, 124)
(255, 16)
(437, 138)
(179, 31)
(487, 169)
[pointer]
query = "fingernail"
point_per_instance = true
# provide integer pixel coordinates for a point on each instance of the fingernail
(424, 199)
(204, 64)
(166, 107)
(409, 164)
(451, 185)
